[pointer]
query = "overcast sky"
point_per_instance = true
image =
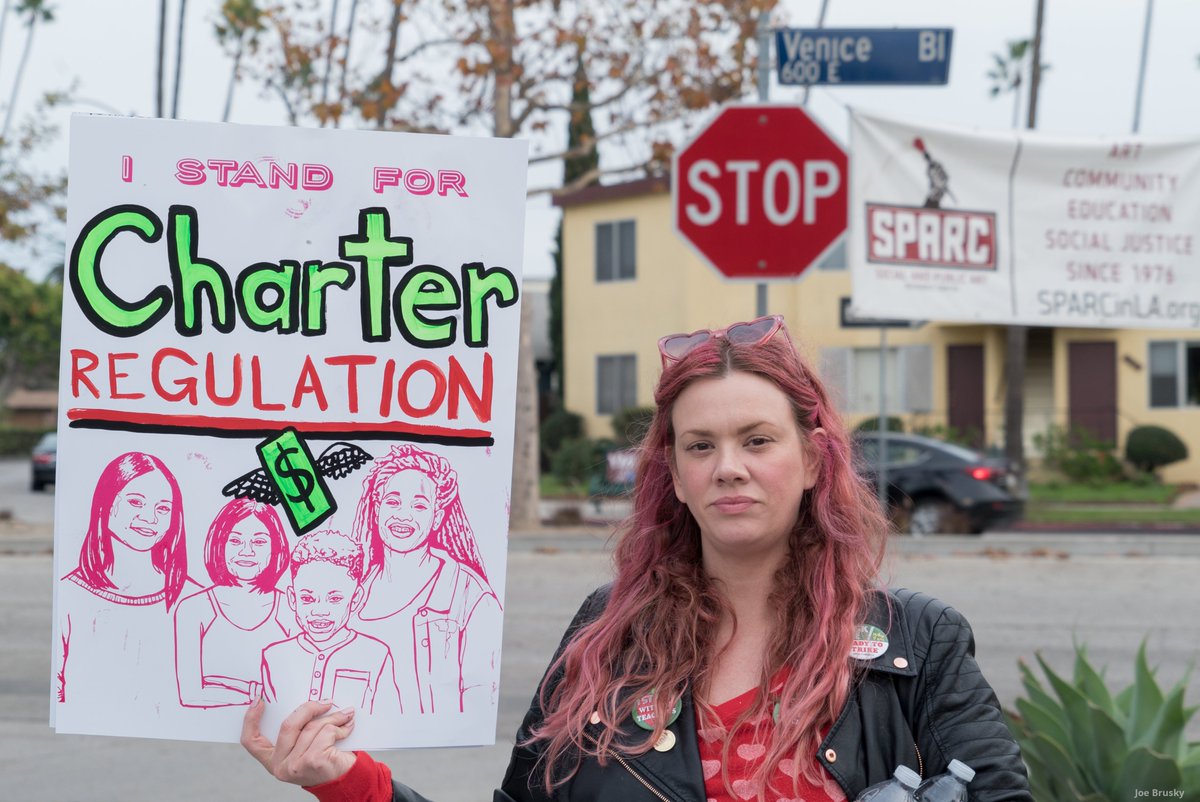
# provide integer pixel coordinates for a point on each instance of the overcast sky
(1092, 46)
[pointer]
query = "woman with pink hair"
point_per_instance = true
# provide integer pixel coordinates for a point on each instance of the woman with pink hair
(132, 572)
(427, 589)
(220, 632)
(746, 649)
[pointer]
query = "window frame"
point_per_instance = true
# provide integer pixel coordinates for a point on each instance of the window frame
(621, 239)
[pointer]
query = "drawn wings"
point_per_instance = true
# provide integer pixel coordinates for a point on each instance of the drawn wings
(336, 462)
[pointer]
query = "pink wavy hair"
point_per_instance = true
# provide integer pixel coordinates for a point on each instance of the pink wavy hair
(168, 555)
(659, 627)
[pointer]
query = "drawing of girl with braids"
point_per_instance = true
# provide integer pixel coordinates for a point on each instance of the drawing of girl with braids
(428, 595)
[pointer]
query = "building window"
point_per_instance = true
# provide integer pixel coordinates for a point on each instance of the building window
(852, 376)
(1174, 374)
(616, 249)
(616, 383)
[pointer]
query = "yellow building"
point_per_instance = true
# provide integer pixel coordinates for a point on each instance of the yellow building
(628, 279)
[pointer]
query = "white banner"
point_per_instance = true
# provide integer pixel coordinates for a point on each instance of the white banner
(1021, 227)
(287, 394)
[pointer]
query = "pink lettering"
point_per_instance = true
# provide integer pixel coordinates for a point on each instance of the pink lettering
(189, 171)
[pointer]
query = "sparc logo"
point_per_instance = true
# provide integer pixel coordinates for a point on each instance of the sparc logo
(928, 235)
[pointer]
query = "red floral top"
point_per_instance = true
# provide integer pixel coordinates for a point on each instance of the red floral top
(744, 755)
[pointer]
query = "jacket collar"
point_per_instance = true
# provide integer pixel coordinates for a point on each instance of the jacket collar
(886, 615)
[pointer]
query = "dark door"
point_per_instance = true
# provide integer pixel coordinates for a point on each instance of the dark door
(1092, 388)
(964, 391)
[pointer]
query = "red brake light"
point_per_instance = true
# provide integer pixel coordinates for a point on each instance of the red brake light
(982, 473)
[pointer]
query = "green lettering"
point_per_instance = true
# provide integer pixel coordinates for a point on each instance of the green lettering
(376, 251)
(426, 288)
(104, 308)
(192, 276)
(282, 313)
(480, 284)
(317, 277)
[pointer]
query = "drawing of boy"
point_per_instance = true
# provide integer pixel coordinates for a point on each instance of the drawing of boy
(327, 659)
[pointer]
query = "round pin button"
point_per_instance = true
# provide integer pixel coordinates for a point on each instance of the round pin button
(869, 642)
(831, 755)
(666, 743)
(645, 711)
(900, 662)
(595, 717)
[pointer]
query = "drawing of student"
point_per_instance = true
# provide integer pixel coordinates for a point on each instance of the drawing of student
(221, 631)
(327, 659)
(115, 607)
(427, 590)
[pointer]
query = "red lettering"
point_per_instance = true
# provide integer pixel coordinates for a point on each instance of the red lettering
(256, 385)
(83, 362)
(385, 396)
(309, 382)
(114, 375)
(352, 363)
(210, 381)
(460, 385)
(187, 383)
(439, 389)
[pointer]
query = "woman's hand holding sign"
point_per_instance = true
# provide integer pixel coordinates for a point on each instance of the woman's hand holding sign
(306, 751)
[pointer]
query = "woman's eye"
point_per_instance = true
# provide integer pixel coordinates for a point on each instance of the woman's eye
(699, 446)
(759, 441)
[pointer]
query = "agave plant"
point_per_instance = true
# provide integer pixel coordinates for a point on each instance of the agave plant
(1085, 744)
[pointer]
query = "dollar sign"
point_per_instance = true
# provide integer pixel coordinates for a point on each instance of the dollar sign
(301, 479)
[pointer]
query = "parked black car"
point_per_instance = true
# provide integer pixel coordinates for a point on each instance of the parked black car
(936, 487)
(43, 460)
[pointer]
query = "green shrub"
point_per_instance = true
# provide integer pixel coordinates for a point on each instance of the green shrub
(894, 424)
(1079, 456)
(1148, 448)
(575, 461)
(631, 424)
(558, 427)
(1086, 744)
(18, 441)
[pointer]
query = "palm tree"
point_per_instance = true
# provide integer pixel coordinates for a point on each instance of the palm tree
(178, 59)
(1006, 75)
(36, 11)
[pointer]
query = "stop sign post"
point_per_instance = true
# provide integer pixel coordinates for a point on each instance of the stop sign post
(761, 192)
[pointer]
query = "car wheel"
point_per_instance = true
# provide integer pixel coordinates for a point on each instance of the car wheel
(928, 517)
(37, 486)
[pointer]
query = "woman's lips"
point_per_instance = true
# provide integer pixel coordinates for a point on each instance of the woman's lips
(733, 504)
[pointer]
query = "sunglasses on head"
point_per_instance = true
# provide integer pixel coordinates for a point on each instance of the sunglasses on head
(675, 347)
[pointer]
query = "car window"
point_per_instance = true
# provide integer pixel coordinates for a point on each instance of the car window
(48, 441)
(898, 452)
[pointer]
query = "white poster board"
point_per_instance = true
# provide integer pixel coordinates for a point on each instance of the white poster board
(1022, 227)
(287, 394)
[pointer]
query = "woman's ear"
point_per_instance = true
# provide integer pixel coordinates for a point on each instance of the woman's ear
(814, 448)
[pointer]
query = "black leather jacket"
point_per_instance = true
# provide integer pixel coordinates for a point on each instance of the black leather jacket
(921, 703)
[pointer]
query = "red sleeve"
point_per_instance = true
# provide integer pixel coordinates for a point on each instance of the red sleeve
(367, 781)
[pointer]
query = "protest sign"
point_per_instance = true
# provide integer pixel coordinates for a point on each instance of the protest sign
(287, 394)
(1023, 227)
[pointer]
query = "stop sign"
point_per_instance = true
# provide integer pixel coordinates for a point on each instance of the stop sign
(761, 192)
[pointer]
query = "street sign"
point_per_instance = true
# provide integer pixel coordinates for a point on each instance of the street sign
(810, 56)
(761, 192)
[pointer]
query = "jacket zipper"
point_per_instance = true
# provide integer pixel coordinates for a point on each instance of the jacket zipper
(639, 777)
(920, 762)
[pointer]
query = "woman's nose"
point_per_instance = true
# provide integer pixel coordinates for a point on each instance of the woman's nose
(730, 466)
